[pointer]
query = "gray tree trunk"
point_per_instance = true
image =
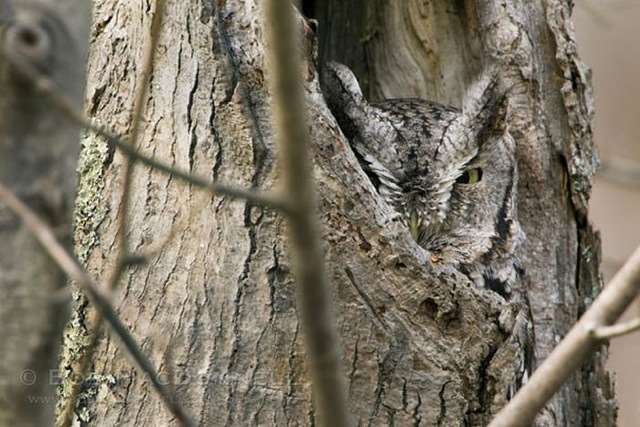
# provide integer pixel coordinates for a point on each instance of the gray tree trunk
(433, 49)
(38, 154)
(215, 305)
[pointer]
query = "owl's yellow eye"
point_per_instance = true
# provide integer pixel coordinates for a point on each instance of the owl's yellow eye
(470, 176)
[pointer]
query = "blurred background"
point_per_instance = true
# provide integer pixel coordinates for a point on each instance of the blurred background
(609, 42)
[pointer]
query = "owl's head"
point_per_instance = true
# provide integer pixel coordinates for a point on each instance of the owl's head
(449, 173)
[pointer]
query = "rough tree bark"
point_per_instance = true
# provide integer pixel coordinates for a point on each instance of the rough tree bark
(433, 49)
(215, 306)
(38, 154)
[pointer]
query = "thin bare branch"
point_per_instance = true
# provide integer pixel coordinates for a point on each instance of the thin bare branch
(294, 139)
(581, 340)
(100, 300)
(613, 331)
(255, 197)
(142, 89)
(597, 15)
(620, 171)
(95, 320)
(48, 88)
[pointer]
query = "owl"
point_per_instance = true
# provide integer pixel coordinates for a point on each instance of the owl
(449, 174)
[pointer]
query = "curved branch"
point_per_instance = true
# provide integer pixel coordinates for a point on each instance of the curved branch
(613, 331)
(48, 87)
(574, 348)
(76, 273)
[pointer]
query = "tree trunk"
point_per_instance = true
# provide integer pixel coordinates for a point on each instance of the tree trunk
(214, 306)
(432, 50)
(38, 154)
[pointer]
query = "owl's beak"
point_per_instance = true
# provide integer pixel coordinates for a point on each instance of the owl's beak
(414, 225)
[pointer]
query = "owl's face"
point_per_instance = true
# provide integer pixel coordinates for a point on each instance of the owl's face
(461, 207)
(450, 174)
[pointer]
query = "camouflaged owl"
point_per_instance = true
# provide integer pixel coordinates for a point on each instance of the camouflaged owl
(449, 173)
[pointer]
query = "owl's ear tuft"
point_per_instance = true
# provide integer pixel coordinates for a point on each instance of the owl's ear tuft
(340, 84)
(485, 105)
(344, 98)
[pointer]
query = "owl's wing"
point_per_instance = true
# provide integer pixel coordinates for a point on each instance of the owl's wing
(385, 181)
(367, 131)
